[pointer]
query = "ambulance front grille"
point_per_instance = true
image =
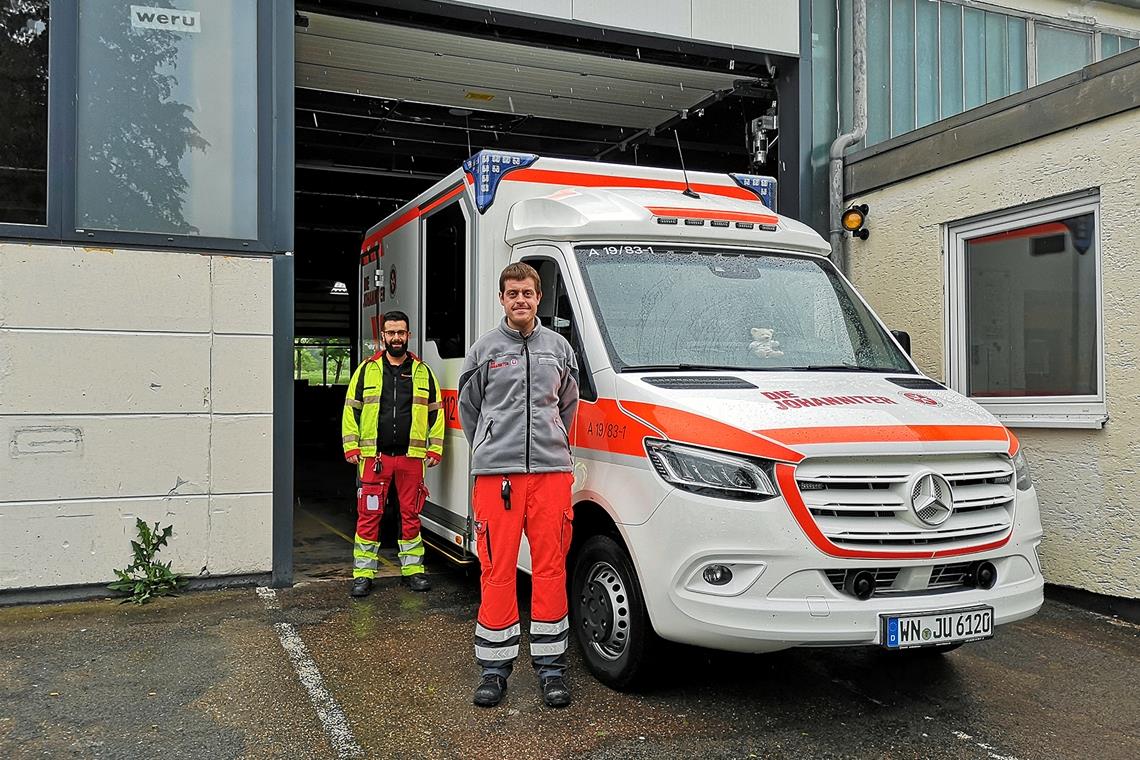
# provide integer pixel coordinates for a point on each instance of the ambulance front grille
(864, 502)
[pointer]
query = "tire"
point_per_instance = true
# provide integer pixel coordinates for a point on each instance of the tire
(607, 613)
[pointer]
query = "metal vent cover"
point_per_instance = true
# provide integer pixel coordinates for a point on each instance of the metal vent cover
(689, 382)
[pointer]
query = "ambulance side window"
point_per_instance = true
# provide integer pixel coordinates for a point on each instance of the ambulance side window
(445, 270)
(557, 313)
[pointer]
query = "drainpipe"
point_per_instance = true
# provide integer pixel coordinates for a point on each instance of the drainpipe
(845, 141)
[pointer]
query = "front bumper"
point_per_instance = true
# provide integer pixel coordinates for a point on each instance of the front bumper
(779, 596)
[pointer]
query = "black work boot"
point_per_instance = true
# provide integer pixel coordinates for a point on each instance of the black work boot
(490, 691)
(555, 692)
(417, 582)
(361, 587)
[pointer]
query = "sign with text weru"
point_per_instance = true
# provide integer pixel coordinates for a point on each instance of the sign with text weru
(166, 19)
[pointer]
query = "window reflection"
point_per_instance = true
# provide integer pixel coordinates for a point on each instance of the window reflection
(23, 111)
(167, 137)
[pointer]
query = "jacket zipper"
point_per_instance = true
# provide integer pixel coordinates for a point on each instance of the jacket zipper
(526, 353)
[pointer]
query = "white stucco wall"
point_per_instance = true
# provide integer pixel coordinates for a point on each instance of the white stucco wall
(133, 383)
(1087, 480)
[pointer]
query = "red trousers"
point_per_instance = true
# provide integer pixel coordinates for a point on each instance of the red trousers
(408, 474)
(540, 507)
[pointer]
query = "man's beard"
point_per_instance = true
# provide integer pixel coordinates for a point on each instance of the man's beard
(398, 349)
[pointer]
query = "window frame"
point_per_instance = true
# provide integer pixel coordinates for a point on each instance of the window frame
(58, 50)
(1077, 411)
(274, 55)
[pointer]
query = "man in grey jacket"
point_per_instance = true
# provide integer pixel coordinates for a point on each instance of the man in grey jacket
(518, 393)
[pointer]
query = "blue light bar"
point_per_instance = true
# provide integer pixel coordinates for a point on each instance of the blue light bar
(488, 167)
(764, 187)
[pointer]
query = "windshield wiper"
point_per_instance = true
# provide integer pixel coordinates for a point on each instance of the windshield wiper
(684, 367)
(846, 367)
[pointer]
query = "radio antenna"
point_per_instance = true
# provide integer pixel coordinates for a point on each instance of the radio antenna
(688, 191)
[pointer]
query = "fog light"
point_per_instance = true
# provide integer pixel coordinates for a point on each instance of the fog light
(985, 575)
(717, 575)
(860, 585)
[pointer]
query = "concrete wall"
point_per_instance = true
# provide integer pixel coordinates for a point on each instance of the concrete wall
(133, 383)
(1087, 480)
(769, 25)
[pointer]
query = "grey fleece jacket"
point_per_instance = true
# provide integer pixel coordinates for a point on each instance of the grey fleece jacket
(517, 399)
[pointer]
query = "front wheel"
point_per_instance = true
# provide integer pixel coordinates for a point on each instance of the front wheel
(607, 613)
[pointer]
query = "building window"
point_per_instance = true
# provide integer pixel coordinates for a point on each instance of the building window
(1061, 51)
(23, 111)
(1024, 329)
(931, 59)
(167, 129)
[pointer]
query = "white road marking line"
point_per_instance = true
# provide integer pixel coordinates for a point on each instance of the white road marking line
(962, 736)
(331, 717)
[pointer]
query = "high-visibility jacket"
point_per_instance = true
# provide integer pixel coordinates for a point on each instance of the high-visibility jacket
(358, 425)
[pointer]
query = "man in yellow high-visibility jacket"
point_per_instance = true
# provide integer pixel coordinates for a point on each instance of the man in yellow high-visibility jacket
(392, 428)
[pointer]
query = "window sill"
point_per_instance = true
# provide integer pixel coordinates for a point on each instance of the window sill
(1091, 416)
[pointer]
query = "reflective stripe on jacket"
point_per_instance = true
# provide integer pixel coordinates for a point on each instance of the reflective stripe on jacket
(358, 423)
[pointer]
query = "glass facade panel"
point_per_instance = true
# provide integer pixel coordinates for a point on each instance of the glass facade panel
(926, 61)
(997, 57)
(902, 66)
(167, 135)
(1031, 311)
(23, 111)
(1018, 53)
(1061, 51)
(950, 54)
(1109, 45)
(878, 71)
(1127, 43)
(974, 57)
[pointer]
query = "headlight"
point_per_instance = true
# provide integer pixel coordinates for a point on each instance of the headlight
(1021, 471)
(708, 472)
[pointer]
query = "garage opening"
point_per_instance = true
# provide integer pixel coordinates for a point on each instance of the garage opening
(389, 101)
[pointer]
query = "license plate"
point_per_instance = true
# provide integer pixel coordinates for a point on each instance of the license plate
(930, 628)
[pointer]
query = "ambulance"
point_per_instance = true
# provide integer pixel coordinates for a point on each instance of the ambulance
(758, 462)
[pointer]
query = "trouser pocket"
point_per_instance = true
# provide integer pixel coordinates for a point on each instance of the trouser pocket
(371, 498)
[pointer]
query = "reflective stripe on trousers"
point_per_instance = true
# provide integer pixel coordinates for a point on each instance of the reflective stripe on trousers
(411, 556)
(365, 558)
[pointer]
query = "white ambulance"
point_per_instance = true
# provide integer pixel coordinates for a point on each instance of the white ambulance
(758, 463)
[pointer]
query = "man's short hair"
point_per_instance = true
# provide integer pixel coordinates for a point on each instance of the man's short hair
(395, 315)
(520, 271)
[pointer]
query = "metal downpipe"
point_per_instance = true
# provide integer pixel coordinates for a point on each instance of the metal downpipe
(843, 142)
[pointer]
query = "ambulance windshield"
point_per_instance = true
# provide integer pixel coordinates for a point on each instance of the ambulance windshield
(670, 307)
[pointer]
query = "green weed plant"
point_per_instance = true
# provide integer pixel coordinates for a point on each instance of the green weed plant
(146, 577)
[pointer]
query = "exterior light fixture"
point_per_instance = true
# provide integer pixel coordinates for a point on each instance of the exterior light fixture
(854, 219)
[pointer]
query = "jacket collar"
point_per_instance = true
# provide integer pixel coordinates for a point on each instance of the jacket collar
(376, 357)
(514, 334)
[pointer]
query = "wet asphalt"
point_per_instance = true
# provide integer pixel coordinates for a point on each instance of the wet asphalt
(205, 676)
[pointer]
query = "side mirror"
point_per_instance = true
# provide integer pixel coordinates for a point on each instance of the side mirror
(903, 337)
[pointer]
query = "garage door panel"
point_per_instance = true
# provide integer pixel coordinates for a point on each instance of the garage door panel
(482, 75)
(522, 103)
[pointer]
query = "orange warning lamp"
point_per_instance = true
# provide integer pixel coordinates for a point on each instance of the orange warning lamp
(853, 220)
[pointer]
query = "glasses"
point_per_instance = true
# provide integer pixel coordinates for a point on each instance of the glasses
(395, 333)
